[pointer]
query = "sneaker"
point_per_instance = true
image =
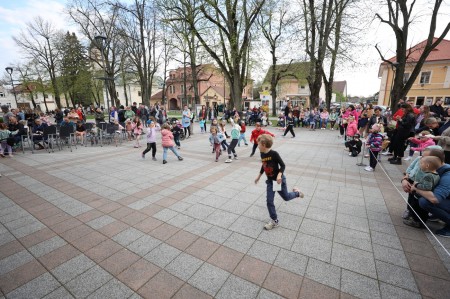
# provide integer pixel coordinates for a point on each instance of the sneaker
(143, 156)
(180, 158)
(445, 232)
(406, 214)
(251, 155)
(228, 160)
(164, 162)
(300, 194)
(412, 222)
(272, 224)
(2, 155)
(366, 156)
(178, 147)
(407, 158)
(349, 154)
(236, 158)
(387, 154)
(217, 160)
(246, 144)
(368, 168)
(154, 159)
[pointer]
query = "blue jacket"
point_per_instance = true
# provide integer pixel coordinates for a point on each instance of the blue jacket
(219, 135)
(442, 190)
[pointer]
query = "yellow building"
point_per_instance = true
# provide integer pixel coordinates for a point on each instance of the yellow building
(433, 82)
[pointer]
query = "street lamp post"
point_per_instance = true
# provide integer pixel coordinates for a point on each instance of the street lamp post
(99, 39)
(9, 70)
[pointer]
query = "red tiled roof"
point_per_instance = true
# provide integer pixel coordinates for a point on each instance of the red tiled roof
(217, 89)
(157, 96)
(441, 52)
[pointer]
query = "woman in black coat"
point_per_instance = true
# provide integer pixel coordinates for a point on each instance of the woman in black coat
(405, 130)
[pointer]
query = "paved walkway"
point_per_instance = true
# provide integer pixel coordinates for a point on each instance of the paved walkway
(102, 223)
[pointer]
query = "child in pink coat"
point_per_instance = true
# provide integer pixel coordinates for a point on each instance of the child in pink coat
(421, 142)
(137, 130)
(168, 143)
(352, 127)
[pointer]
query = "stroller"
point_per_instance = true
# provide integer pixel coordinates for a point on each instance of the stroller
(174, 122)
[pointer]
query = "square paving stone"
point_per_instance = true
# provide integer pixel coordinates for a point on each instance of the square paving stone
(353, 259)
(37, 288)
(59, 293)
(314, 290)
(86, 283)
(389, 291)
(313, 247)
(165, 215)
(390, 255)
(247, 226)
(119, 261)
(280, 237)
(291, 261)
(252, 270)
(284, 283)
(238, 288)
(199, 211)
(138, 274)
(47, 246)
(226, 258)
(239, 242)
(222, 218)
(317, 214)
(128, 236)
(383, 227)
(162, 285)
(386, 240)
(113, 289)
(264, 251)
(217, 234)
(209, 279)
(316, 228)
(180, 220)
(188, 291)
(353, 238)
(202, 248)
(184, 266)
(353, 222)
(197, 227)
(100, 221)
(162, 255)
(14, 261)
(397, 276)
(235, 206)
(144, 245)
(324, 273)
(359, 285)
(266, 294)
(72, 268)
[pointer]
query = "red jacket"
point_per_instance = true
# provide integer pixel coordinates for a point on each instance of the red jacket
(256, 133)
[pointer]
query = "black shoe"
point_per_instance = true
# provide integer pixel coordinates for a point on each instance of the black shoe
(412, 222)
(396, 162)
(392, 159)
(164, 162)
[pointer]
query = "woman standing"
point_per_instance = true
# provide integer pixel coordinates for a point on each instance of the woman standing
(405, 129)
(186, 121)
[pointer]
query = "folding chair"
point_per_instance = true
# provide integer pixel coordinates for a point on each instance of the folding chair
(25, 138)
(67, 134)
(88, 135)
(50, 135)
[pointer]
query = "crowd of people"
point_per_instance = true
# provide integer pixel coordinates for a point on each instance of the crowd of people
(426, 129)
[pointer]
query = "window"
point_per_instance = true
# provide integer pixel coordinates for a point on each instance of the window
(420, 101)
(302, 87)
(406, 77)
(425, 77)
(139, 93)
(447, 101)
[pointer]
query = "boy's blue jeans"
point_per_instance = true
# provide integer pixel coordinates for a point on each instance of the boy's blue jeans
(283, 193)
(242, 137)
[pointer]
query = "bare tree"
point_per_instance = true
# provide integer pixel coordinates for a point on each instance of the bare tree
(37, 42)
(97, 18)
(400, 17)
(276, 24)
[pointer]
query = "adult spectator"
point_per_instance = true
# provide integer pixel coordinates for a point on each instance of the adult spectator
(58, 116)
(38, 133)
(405, 130)
(129, 114)
(186, 121)
(6, 114)
(437, 202)
(143, 114)
(99, 116)
(287, 109)
(121, 114)
(16, 126)
(134, 108)
(437, 110)
(113, 115)
(443, 139)
(377, 118)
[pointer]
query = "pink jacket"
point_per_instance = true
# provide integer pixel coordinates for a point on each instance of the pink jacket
(422, 144)
(137, 129)
(167, 138)
(352, 129)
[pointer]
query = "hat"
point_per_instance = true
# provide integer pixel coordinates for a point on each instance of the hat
(149, 122)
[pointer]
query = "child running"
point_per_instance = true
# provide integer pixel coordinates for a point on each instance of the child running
(289, 125)
(255, 134)
(176, 131)
(168, 143)
(151, 139)
(234, 140)
(216, 139)
(201, 123)
(274, 167)
(242, 134)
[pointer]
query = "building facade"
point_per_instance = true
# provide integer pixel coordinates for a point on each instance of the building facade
(433, 82)
(213, 89)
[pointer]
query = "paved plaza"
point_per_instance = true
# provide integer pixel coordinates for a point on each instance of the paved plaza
(100, 222)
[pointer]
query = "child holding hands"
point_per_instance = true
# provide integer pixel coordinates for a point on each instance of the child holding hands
(274, 167)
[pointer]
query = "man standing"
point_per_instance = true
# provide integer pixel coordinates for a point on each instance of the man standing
(437, 110)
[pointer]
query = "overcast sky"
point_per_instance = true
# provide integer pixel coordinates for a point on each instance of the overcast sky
(362, 80)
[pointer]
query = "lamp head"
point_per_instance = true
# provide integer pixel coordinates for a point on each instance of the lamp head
(9, 70)
(99, 39)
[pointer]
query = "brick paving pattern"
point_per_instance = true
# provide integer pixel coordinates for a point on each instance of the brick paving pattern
(103, 223)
